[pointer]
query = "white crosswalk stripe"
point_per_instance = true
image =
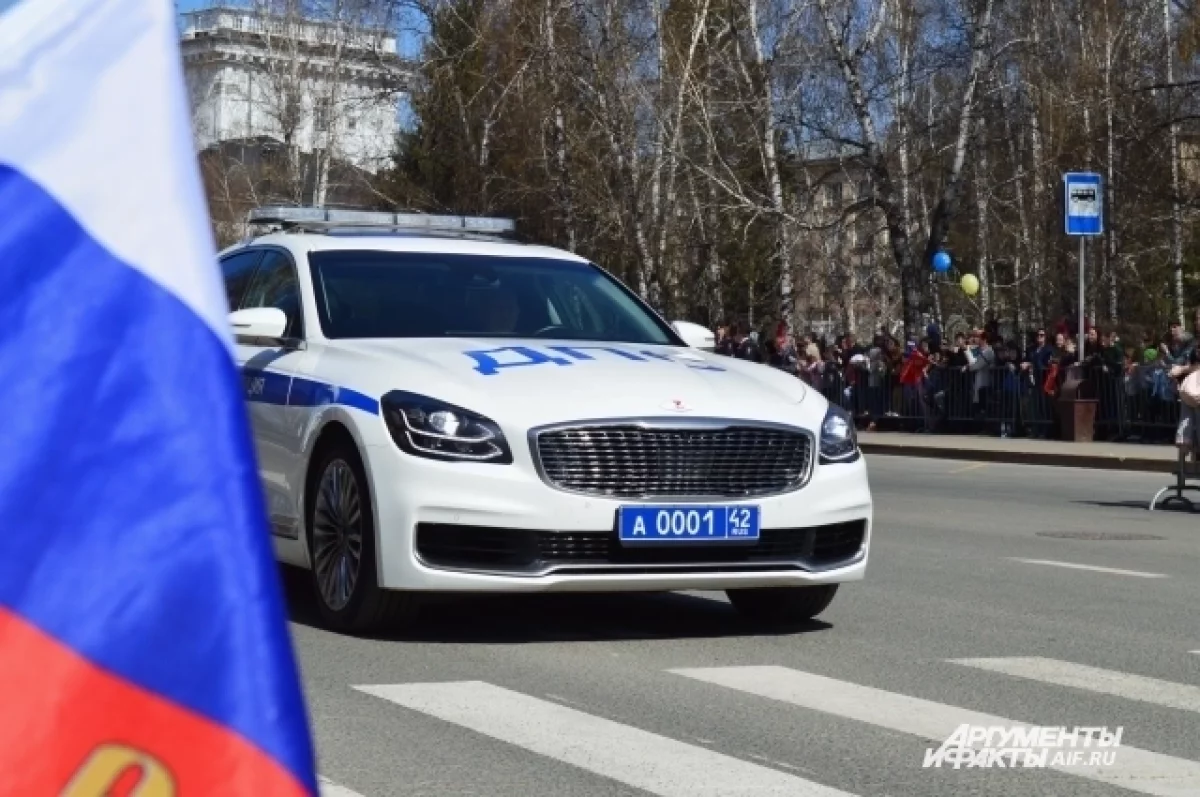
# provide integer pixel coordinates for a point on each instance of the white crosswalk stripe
(330, 789)
(1094, 568)
(1094, 679)
(623, 753)
(1136, 770)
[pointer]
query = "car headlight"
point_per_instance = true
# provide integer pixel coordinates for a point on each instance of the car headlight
(839, 440)
(427, 427)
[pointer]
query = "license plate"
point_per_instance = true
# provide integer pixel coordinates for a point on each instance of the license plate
(684, 524)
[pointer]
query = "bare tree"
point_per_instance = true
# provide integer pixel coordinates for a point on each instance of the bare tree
(851, 54)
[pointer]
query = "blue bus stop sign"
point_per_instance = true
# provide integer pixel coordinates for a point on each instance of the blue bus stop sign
(1083, 203)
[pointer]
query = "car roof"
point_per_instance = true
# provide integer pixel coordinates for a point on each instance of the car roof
(450, 243)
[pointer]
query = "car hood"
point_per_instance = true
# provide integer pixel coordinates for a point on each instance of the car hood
(533, 382)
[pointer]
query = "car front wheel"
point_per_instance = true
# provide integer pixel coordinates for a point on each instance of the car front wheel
(341, 538)
(782, 604)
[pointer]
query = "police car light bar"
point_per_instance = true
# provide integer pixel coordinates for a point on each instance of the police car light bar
(326, 218)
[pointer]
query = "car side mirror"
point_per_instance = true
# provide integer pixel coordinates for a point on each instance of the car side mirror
(259, 325)
(696, 336)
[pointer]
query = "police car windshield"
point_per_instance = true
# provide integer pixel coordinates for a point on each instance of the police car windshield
(373, 294)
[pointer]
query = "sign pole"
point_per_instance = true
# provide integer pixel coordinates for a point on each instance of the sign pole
(1083, 215)
(1082, 315)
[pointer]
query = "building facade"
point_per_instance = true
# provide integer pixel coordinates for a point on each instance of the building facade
(311, 87)
(846, 280)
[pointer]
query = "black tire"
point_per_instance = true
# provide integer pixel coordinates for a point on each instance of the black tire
(367, 607)
(782, 604)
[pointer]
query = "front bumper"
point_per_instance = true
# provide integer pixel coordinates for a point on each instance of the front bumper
(466, 527)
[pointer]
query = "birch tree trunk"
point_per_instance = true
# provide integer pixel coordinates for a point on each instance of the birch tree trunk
(563, 188)
(981, 222)
(602, 95)
(1025, 248)
(903, 132)
(708, 216)
(1039, 208)
(329, 117)
(783, 242)
(671, 156)
(934, 285)
(947, 204)
(1111, 258)
(849, 61)
(1089, 308)
(1173, 140)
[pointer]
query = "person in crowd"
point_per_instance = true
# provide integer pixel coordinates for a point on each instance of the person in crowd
(1091, 343)
(769, 352)
(1176, 345)
(1036, 407)
(992, 328)
(832, 379)
(783, 354)
(958, 352)
(810, 371)
(1040, 351)
(1107, 372)
(727, 342)
(1192, 342)
(981, 360)
(876, 384)
(1163, 396)
(747, 346)
(809, 347)
(893, 362)
(1068, 355)
(912, 381)
(1008, 388)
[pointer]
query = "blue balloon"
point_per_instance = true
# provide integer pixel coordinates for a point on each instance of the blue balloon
(941, 262)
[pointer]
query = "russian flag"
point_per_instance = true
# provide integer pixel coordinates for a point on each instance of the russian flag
(143, 643)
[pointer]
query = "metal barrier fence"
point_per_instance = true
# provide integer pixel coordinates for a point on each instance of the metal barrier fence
(1008, 400)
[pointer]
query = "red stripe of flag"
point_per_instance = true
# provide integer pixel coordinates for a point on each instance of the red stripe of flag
(70, 723)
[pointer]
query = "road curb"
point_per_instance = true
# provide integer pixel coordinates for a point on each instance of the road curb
(1094, 462)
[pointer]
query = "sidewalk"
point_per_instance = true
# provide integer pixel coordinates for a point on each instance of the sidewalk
(1103, 456)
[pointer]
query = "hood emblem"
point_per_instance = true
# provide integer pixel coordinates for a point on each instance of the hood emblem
(677, 405)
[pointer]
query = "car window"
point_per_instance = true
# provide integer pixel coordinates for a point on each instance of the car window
(364, 294)
(238, 270)
(276, 285)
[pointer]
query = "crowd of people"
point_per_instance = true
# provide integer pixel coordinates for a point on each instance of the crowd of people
(979, 381)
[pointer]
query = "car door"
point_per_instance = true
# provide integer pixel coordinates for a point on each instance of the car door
(268, 370)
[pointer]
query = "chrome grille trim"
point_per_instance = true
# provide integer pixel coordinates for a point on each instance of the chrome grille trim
(676, 459)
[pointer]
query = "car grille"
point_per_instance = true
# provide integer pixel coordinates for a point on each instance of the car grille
(631, 461)
(529, 552)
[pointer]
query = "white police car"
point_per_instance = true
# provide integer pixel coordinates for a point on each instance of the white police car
(439, 408)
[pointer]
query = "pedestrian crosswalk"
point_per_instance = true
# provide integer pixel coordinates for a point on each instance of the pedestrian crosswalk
(1109, 682)
(632, 756)
(1138, 770)
(659, 765)
(330, 789)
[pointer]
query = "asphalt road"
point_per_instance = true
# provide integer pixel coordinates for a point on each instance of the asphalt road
(674, 695)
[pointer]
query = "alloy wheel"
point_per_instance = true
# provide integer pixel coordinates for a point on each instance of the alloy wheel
(337, 535)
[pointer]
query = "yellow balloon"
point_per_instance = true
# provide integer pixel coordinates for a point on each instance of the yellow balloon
(970, 284)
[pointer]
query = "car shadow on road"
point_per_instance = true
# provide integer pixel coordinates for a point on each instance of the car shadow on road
(1173, 506)
(517, 619)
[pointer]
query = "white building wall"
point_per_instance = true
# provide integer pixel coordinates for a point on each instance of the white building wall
(235, 95)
